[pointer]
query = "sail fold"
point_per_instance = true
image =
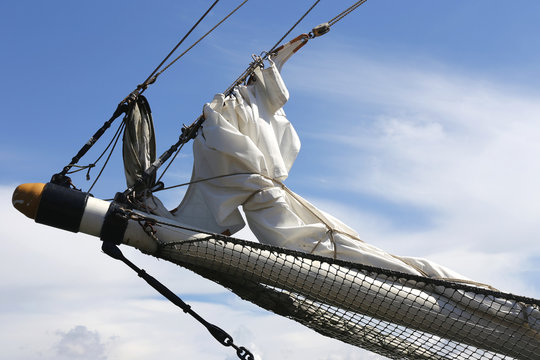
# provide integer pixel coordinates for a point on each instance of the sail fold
(242, 155)
(139, 141)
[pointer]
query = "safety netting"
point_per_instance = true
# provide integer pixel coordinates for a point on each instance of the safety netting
(398, 315)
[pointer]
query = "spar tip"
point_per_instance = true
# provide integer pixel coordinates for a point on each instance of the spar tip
(26, 198)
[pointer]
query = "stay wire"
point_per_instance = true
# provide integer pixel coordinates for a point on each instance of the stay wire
(346, 12)
(256, 63)
(292, 28)
(170, 163)
(198, 41)
(92, 165)
(244, 74)
(149, 78)
(114, 142)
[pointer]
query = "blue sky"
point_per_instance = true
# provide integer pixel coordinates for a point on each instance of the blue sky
(419, 123)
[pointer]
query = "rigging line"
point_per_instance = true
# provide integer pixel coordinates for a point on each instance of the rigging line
(117, 136)
(295, 196)
(246, 72)
(147, 81)
(170, 163)
(207, 179)
(256, 63)
(291, 29)
(346, 12)
(92, 165)
(198, 41)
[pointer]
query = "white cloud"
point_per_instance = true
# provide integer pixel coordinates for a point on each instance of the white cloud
(80, 343)
(63, 298)
(456, 148)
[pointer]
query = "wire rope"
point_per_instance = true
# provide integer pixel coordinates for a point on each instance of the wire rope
(198, 41)
(292, 28)
(258, 61)
(147, 81)
(346, 12)
(114, 141)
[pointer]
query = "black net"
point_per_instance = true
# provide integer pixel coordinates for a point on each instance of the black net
(397, 315)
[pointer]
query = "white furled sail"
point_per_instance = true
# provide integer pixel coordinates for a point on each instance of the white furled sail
(242, 155)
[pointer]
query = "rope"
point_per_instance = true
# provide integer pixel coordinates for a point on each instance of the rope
(291, 29)
(346, 12)
(459, 284)
(207, 179)
(153, 77)
(330, 230)
(114, 141)
(295, 196)
(169, 164)
(92, 165)
(200, 39)
(258, 61)
(148, 79)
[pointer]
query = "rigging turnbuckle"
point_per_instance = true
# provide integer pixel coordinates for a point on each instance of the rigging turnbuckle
(319, 30)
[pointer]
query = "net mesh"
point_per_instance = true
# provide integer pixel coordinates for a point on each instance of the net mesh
(397, 315)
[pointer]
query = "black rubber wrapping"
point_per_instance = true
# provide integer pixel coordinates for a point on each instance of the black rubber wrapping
(114, 224)
(61, 207)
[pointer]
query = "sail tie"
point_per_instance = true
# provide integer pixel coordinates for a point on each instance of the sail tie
(330, 229)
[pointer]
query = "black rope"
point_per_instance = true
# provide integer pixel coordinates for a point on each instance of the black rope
(188, 133)
(61, 177)
(92, 165)
(246, 73)
(170, 163)
(314, 33)
(114, 141)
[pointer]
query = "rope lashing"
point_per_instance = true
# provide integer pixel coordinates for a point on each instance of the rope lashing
(281, 185)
